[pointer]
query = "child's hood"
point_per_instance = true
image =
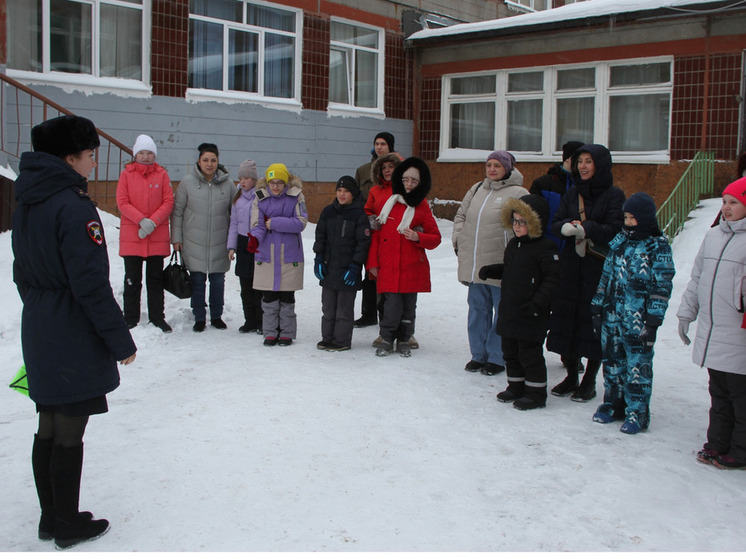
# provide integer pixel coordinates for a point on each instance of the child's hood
(375, 169)
(416, 196)
(533, 208)
(293, 188)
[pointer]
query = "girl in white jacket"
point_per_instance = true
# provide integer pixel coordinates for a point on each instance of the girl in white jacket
(715, 297)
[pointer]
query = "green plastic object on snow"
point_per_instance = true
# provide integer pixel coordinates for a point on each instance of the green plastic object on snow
(20, 382)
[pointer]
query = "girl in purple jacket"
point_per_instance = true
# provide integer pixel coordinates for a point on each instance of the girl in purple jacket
(278, 217)
(242, 246)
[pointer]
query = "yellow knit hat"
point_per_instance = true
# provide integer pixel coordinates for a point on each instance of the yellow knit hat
(277, 172)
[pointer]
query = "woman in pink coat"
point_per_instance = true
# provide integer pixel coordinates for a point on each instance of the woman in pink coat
(145, 200)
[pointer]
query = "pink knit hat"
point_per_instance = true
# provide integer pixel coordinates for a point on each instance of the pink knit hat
(737, 189)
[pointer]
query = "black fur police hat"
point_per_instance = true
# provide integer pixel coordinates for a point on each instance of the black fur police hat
(64, 135)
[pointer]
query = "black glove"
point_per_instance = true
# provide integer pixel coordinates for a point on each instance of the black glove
(529, 309)
(352, 276)
(319, 268)
(647, 335)
(596, 322)
(493, 271)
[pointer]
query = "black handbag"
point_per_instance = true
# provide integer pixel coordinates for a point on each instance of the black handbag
(176, 278)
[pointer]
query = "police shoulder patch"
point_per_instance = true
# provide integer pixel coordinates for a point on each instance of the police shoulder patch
(95, 232)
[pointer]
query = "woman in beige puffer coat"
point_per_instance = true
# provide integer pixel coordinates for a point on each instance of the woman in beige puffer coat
(479, 239)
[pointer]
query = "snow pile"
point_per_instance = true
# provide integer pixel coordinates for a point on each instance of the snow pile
(214, 442)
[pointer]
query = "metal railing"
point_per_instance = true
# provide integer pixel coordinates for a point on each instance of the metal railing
(22, 108)
(698, 179)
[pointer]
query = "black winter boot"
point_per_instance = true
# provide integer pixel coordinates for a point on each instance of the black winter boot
(533, 398)
(70, 526)
(41, 459)
(587, 389)
(570, 384)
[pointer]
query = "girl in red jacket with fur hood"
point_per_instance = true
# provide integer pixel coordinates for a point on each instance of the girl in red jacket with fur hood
(397, 253)
(145, 201)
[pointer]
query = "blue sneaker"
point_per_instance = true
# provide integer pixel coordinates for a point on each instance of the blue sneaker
(630, 426)
(604, 413)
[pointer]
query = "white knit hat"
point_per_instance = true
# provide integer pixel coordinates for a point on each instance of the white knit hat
(144, 143)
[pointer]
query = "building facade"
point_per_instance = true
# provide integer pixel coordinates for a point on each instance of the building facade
(656, 84)
(306, 83)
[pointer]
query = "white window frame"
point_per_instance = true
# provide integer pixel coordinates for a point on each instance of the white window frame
(93, 82)
(527, 5)
(602, 93)
(227, 95)
(350, 108)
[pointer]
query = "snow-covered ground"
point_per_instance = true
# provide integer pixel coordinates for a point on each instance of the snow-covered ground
(214, 442)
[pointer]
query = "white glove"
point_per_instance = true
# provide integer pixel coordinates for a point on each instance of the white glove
(683, 331)
(147, 226)
(573, 230)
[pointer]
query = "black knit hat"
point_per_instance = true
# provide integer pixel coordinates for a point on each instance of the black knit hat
(642, 206)
(64, 135)
(569, 148)
(388, 137)
(349, 183)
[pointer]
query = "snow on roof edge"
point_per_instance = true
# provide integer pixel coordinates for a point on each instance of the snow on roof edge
(569, 12)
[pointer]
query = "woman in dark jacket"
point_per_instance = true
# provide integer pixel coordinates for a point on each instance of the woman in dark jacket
(589, 213)
(73, 331)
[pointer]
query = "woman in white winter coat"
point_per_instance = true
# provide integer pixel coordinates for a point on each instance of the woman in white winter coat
(479, 239)
(715, 298)
(199, 228)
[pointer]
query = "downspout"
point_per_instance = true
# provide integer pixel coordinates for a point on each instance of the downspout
(706, 89)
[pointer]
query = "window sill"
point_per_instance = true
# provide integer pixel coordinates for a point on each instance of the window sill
(456, 155)
(83, 82)
(338, 109)
(200, 95)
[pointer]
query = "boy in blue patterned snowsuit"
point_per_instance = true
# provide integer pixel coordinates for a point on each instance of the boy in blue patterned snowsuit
(629, 306)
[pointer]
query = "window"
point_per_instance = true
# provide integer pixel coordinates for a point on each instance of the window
(101, 38)
(530, 5)
(624, 105)
(244, 47)
(355, 66)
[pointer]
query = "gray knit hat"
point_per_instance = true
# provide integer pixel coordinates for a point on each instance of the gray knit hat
(247, 170)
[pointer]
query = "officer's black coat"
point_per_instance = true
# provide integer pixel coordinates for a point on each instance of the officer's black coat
(73, 332)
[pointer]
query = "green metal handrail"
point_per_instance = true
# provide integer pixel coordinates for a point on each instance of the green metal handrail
(698, 179)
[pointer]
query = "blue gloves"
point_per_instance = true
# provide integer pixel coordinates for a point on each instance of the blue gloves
(319, 268)
(352, 276)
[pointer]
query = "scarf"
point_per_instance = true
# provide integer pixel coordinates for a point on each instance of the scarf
(406, 219)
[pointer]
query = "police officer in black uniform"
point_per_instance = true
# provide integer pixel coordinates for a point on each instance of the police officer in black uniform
(73, 332)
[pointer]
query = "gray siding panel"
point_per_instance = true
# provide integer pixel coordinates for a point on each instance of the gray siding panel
(314, 145)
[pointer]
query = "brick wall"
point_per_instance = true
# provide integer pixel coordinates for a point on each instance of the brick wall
(429, 123)
(399, 80)
(315, 86)
(170, 47)
(693, 128)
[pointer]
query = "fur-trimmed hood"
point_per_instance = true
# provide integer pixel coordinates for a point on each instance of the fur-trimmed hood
(293, 187)
(420, 193)
(375, 168)
(533, 208)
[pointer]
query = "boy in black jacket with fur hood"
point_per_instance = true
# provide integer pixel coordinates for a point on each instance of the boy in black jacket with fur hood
(530, 276)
